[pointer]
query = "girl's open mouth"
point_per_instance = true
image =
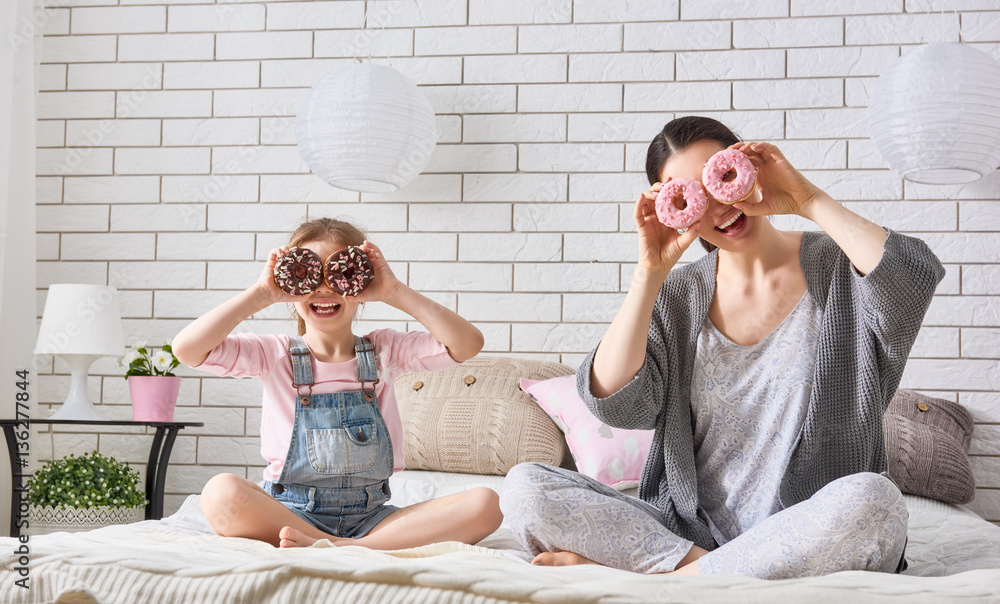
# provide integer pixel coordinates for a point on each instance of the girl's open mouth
(324, 309)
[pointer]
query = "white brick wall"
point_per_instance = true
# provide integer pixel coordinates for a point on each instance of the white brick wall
(167, 167)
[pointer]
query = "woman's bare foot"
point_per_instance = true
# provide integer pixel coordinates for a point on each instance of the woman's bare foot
(560, 558)
(690, 569)
(563, 558)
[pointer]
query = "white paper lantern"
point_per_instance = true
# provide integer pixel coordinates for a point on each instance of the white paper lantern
(366, 127)
(934, 115)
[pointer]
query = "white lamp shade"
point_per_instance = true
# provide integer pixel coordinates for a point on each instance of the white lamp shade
(934, 115)
(81, 319)
(367, 128)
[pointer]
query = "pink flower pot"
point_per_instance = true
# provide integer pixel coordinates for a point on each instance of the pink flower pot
(153, 397)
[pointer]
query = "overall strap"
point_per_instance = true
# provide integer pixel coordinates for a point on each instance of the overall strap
(364, 352)
(301, 358)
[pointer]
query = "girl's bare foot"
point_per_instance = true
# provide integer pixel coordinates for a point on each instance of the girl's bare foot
(292, 537)
(560, 558)
(289, 537)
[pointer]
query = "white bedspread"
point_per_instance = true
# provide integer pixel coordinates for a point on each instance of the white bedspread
(954, 556)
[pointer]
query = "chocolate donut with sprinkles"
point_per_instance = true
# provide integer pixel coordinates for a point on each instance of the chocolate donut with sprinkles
(298, 271)
(349, 271)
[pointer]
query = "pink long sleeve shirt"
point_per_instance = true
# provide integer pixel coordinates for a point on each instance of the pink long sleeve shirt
(265, 357)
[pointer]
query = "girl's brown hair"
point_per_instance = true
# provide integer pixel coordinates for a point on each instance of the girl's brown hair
(678, 135)
(322, 229)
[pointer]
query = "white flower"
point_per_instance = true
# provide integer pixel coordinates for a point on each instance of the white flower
(129, 357)
(162, 360)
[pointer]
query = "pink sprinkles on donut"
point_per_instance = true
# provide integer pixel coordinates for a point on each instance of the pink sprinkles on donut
(679, 191)
(729, 176)
(349, 271)
(298, 271)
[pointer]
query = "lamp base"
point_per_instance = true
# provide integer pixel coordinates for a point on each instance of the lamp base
(85, 413)
(77, 406)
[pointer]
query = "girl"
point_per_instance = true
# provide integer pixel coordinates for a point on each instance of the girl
(764, 367)
(330, 428)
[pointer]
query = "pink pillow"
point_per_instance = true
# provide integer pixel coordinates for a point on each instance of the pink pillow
(613, 456)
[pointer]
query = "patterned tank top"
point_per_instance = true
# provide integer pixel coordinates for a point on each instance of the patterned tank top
(748, 405)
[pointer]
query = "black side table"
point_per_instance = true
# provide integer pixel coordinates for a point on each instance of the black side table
(156, 467)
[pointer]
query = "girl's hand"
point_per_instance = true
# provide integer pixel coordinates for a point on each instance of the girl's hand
(660, 247)
(385, 283)
(266, 287)
(783, 189)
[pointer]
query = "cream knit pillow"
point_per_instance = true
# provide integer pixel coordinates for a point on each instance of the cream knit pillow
(474, 418)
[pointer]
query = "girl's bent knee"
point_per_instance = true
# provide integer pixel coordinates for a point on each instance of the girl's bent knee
(486, 506)
(481, 499)
(223, 498)
(222, 486)
(487, 498)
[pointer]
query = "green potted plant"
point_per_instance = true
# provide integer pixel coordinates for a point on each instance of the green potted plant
(82, 493)
(153, 386)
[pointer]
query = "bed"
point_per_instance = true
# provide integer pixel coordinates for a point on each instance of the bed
(954, 556)
(457, 439)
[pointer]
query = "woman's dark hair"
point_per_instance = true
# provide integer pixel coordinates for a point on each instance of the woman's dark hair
(678, 135)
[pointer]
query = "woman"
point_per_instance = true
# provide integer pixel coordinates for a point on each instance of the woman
(765, 368)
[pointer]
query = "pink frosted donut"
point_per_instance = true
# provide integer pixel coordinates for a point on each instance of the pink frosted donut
(349, 271)
(729, 176)
(298, 271)
(681, 202)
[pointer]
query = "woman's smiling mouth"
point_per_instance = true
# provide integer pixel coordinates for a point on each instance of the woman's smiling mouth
(725, 225)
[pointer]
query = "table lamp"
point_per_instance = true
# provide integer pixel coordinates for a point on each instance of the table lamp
(80, 323)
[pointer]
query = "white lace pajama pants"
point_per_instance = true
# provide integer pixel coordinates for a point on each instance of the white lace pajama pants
(857, 522)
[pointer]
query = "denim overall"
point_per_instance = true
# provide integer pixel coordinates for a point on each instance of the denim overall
(336, 472)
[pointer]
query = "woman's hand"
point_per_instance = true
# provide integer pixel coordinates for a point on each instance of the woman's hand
(660, 247)
(622, 350)
(783, 189)
(385, 284)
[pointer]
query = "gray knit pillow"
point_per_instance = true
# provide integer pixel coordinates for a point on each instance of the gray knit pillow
(927, 440)
(475, 419)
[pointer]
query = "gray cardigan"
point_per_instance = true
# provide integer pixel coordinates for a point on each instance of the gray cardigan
(868, 327)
